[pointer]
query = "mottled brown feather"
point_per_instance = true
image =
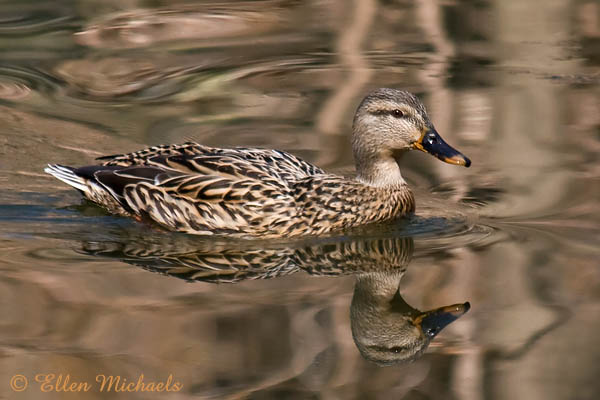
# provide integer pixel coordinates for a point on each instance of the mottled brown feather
(242, 192)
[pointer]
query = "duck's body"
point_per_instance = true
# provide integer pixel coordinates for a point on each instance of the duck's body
(267, 193)
(245, 192)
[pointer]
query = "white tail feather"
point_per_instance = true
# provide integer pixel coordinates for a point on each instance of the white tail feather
(67, 175)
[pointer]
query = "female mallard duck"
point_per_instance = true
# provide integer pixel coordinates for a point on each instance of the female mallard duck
(269, 193)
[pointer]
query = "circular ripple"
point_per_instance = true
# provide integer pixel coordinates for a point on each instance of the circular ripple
(26, 22)
(13, 90)
(140, 28)
(19, 82)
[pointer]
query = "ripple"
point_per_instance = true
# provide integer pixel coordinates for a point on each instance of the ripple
(474, 236)
(179, 79)
(17, 83)
(144, 27)
(113, 76)
(13, 90)
(25, 22)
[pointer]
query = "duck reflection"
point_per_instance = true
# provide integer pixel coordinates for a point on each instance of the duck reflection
(385, 329)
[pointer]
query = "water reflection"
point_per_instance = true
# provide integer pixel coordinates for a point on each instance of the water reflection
(144, 27)
(514, 84)
(385, 328)
(111, 77)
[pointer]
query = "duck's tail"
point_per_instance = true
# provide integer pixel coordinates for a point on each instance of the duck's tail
(68, 176)
(84, 180)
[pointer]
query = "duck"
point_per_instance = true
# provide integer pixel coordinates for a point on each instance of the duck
(265, 193)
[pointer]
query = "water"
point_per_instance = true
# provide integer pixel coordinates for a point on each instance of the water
(513, 85)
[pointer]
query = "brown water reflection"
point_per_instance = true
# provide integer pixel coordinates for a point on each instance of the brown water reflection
(514, 84)
(385, 328)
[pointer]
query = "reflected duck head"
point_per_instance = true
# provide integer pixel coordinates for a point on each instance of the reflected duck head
(389, 122)
(387, 330)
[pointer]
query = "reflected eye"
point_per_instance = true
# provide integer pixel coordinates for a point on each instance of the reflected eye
(397, 113)
(432, 139)
(431, 332)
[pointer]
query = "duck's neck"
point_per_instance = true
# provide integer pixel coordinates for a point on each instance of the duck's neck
(378, 287)
(380, 170)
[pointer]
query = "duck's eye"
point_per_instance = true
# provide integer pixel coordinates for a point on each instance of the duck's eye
(397, 113)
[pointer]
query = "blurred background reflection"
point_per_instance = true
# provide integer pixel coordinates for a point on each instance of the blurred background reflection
(514, 84)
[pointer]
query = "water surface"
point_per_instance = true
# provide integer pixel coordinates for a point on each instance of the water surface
(513, 85)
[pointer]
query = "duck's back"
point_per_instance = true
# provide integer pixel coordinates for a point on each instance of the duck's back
(194, 158)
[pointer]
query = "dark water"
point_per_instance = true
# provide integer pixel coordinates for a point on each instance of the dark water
(514, 85)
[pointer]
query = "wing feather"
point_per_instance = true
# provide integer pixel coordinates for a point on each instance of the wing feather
(209, 203)
(254, 163)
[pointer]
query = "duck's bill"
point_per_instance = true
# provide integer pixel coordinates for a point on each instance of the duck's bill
(431, 142)
(432, 322)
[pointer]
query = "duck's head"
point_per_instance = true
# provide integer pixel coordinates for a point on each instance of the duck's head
(389, 122)
(398, 338)
(385, 328)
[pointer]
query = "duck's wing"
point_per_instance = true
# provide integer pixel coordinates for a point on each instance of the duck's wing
(213, 204)
(193, 203)
(141, 157)
(194, 158)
